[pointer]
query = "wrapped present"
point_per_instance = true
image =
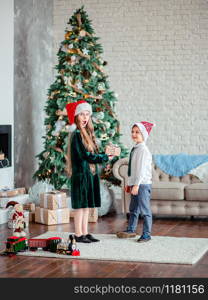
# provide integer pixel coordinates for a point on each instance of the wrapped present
(31, 216)
(53, 200)
(8, 193)
(113, 150)
(22, 199)
(93, 215)
(4, 215)
(4, 193)
(30, 206)
(21, 190)
(51, 217)
(2, 156)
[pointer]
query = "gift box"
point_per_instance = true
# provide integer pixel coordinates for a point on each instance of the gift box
(1, 156)
(30, 206)
(31, 216)
(8, 193)
(53, 200)
(51, 217)
(113, 150)
(4, 215)
(21, 190)
(93, 215)
(22, 199)
(12, 192)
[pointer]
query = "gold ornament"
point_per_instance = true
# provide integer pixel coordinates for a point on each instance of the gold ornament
(45, 154)
(82, 33)
(68, 34)
(72, 51)
(76, 40)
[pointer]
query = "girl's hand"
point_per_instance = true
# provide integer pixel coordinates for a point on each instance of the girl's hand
(135, 190)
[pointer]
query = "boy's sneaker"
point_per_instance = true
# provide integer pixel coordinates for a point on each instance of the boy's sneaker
(144, 238)
(125, 234)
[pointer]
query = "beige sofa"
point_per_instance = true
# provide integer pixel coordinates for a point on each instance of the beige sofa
(172, 196)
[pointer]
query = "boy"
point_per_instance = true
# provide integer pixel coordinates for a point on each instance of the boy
(139, 183)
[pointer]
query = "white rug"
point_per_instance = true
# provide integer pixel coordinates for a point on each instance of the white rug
(161, 249)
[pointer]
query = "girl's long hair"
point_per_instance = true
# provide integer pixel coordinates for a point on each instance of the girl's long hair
(89, 141)
(88, 135)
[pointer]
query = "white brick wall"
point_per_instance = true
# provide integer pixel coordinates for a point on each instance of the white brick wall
(157, 53)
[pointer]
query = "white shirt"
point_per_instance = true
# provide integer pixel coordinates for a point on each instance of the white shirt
(141, 165)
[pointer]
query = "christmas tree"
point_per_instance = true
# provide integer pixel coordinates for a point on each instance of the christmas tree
(80, 75)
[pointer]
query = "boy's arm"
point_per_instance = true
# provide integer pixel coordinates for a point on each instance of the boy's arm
(140, 165)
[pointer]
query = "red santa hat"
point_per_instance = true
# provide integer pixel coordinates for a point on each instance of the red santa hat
(145, 128)
(75, 108)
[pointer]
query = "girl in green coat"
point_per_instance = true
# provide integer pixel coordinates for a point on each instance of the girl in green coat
(83, 157)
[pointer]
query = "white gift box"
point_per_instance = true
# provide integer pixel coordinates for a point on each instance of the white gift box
(21, 199)
(4, 215)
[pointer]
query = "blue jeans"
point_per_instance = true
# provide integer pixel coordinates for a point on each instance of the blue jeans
(140, 205)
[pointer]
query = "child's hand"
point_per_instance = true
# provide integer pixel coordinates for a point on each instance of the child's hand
(135, 190)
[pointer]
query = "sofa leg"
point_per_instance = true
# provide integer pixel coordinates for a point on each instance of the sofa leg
(127, 215)
(192, 218)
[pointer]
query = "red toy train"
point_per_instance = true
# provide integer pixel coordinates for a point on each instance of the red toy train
(53, 244)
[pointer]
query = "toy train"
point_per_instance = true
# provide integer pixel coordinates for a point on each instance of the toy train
(16, 244)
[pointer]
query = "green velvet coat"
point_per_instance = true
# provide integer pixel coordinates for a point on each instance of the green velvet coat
(85, 187)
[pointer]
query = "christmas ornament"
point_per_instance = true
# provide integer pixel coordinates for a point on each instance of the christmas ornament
(104, 137)
(82, 33)
(98, 142)
(79, 85)
(101, 86)
(72, 94)
(64, 49)
(86, 74)
(99, 115)
(68, 34)
(46, 154)
(58, 127)
(112, 132)
(72, 51)
(85, 51)
(94, 73)
(107, 125)
(73, 57)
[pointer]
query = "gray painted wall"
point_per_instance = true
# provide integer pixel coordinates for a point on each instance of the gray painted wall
(33, 73)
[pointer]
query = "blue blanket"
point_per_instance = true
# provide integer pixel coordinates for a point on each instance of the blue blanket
(179, 164)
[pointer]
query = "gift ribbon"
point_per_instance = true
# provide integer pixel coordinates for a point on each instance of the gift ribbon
(57, 217)
(58, 200)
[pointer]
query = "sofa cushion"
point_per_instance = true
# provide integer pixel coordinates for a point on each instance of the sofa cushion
(196, 191)
(168, 191)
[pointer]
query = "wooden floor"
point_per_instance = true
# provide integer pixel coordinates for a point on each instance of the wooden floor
(33, 267)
